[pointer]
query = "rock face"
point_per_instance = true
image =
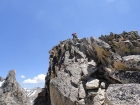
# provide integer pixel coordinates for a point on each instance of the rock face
(11, 93)
(80, 71)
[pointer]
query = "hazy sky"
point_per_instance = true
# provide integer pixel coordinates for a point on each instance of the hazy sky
(30, 28)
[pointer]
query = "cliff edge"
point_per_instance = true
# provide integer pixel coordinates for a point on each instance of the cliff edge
(90, 71)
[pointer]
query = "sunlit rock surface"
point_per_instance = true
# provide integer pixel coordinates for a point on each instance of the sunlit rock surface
(11, 93)
(85, 71)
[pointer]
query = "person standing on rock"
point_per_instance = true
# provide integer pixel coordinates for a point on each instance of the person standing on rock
(74, 36)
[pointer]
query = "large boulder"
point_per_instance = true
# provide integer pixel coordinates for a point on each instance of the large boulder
(67, 89)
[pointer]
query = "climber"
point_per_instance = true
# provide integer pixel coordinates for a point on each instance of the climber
(74, 35)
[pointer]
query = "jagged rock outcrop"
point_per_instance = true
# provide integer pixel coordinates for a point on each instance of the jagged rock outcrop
(81, 70)
(11, 93)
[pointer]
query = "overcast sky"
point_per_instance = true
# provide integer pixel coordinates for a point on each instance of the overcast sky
(30, 28)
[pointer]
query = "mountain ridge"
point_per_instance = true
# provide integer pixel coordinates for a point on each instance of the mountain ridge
(83, 71)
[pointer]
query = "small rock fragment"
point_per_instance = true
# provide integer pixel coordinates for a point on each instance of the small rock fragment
(92, 84)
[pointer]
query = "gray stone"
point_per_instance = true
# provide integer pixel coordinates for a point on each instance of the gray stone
(92, 83)
(1, 91)
(82, 93)
(123, 94)
(100, 97)
(67, 89)
(88, 69)
(1, 79)
(126, 76)
(132, 61)
(81, 102)
(103, 85)
(92, 92)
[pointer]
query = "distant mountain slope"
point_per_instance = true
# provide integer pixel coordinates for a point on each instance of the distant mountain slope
(33, 93)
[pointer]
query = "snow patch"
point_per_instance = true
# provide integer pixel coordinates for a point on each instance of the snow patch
(33, 93)
(1, 83)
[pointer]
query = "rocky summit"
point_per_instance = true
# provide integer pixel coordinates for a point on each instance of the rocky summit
(87, 71)
(90, 71)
